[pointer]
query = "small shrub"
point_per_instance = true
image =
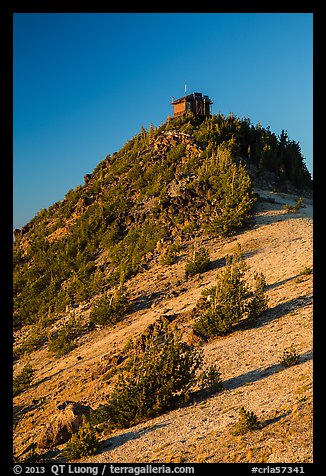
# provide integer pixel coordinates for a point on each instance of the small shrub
(248, 421)
(199, 262)
(168, 258)
(63, 342)
(223, 305)
(259, 302)
(289, 357)
(260, 281)
(307, 271)
(82, 443)
(294, 208)
(176, 153)
(211, 379)
(36, 339)
(23, 380)
(110, 310)
(213, 322)
(189, 228)
(171, 255)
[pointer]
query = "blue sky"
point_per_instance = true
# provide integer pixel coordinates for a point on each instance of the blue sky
(84, 84)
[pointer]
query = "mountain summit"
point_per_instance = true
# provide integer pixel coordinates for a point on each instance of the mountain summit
(79, 266)
(188, 176)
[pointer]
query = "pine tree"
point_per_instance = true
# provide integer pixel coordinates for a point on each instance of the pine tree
(232, 193)
(162, 371)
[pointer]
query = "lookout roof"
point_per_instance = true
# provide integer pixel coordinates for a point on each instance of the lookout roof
(192, 97)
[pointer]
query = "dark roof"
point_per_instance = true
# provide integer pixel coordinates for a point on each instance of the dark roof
(192, 97)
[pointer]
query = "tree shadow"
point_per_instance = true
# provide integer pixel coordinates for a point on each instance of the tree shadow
(273, 313)
(268, 218)
(275, 419)
(17, 412)
(280, 283)
(46, 379)
(217, 263)
(248, 254)
(119, 440)
(20, 410)
(221, 262)
(144, 302)
(252, 376)
(261, 373)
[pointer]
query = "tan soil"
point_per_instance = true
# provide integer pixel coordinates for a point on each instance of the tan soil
(278, 245)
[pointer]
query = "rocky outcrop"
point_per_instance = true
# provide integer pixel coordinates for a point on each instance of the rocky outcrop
(17, 233)
(63, 424)
(87, 178)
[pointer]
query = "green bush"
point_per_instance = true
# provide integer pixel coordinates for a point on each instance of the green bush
(189, 228)
(171, 255)
(175, 154)
(139, 241)
(211, 379)
(223, 305)
(82, 443)
(289, 357)
(198, 263)
(161, 373)
(111, 309)
(63, 341)
(294, 208)
(259, 302)
(168, 258)
(23, 380)
(307, 271)
(35, 340)
(248, 421)
(231, 190)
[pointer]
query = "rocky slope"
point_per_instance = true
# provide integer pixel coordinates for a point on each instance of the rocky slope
(279, 244)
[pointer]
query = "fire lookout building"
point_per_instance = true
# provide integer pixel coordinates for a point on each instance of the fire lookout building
(196, 103)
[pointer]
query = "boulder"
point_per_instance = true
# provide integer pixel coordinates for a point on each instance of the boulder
(17, 233)
(63, 424)
(25, 228)
(87, 178)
